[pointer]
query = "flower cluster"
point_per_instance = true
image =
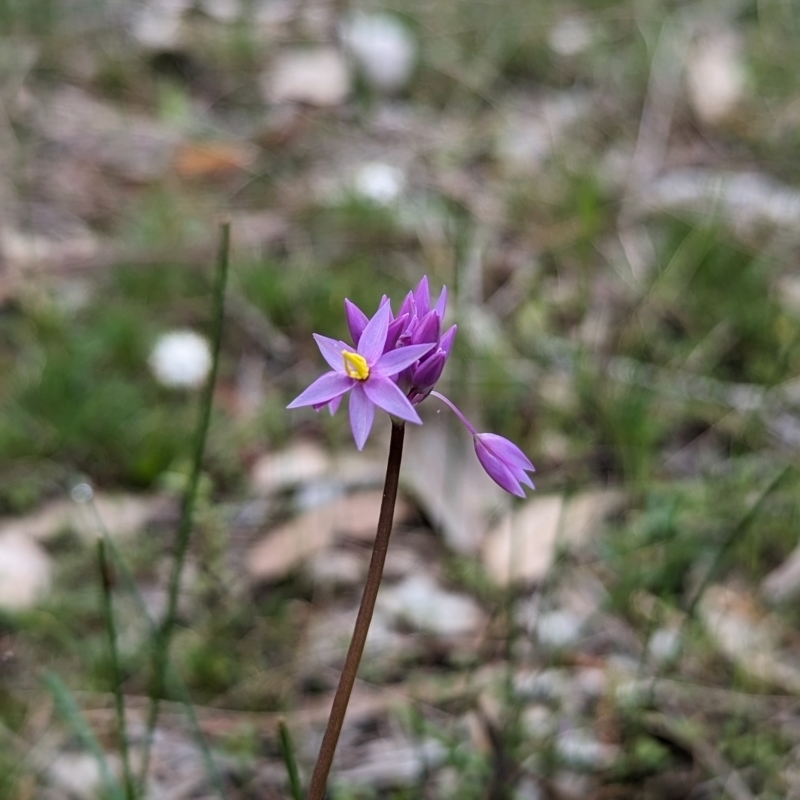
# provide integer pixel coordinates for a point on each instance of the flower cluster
(394, 364)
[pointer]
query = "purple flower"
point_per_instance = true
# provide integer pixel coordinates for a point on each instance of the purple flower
(416, 323)
(394, 364)
(424, 324)
(357, 320)
(366, 372)
(503, 461)
(423, 375)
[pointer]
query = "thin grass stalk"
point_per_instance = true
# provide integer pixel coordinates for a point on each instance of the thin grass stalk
(319, 777)
(172, 677)
(287, 751)
(70, 712)
(733, 537)
(164, 635)
(106, 582)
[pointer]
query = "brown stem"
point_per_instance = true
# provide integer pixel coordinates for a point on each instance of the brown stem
(319, 778)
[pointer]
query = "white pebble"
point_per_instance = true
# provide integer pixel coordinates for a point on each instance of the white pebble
(570, 36)
(581, 748)
(664, 645)
(559, 628)
(383, 48)
(381, 183)
(25, 571)
(181, 359)
(715, 76)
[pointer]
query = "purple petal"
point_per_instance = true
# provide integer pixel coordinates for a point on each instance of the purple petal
(427, 330)
(331, 350)
(323, 390)
(506, 451)
(422, 297)
(521, 476)
(441, 303)
(396, 328)
(408, 306)
(497, 470)
(405, 337)
(356, 320)
(373, 336)
(385, 394)
(395, 361)
(446, 342)
(333, 406)
(362, 412)
(428, 372)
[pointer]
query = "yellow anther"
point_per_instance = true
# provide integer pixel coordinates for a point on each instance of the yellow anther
(355, 365)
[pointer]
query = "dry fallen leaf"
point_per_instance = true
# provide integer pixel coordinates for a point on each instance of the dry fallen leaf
(522, 547)
(584, 512)
(122, 515)
(748, 636)
(131, 145)
(298, 463)
(442, 473)
(212, 159)
(318, 76)
(25, 570)
(783, 583)
(287, 546)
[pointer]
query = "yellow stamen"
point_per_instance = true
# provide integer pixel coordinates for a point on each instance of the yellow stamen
(355, 365)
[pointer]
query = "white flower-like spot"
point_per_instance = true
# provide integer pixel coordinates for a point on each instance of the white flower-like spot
(181, 359)
(381, 183)
(385, 50)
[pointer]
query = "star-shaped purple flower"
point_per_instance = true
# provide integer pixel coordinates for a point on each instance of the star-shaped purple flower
(394, 365)
(418, 321)
(366, 372)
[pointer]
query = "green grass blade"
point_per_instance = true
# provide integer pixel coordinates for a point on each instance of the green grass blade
(287, 752)
(172, 676)
(106, 582)
(71, 714)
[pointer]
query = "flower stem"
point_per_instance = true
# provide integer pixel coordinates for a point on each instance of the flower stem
(453, 408)
(164, 632)
(319, 777)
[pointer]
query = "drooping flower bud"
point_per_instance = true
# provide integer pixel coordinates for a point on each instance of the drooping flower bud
(504, 462)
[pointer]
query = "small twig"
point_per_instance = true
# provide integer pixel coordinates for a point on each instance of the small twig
(663, 86)
(365, 702)
(258, 326)
(164, 633)
(710, 758)
(319, 777)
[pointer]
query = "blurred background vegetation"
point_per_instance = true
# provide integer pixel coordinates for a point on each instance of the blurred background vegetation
(609, 190)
